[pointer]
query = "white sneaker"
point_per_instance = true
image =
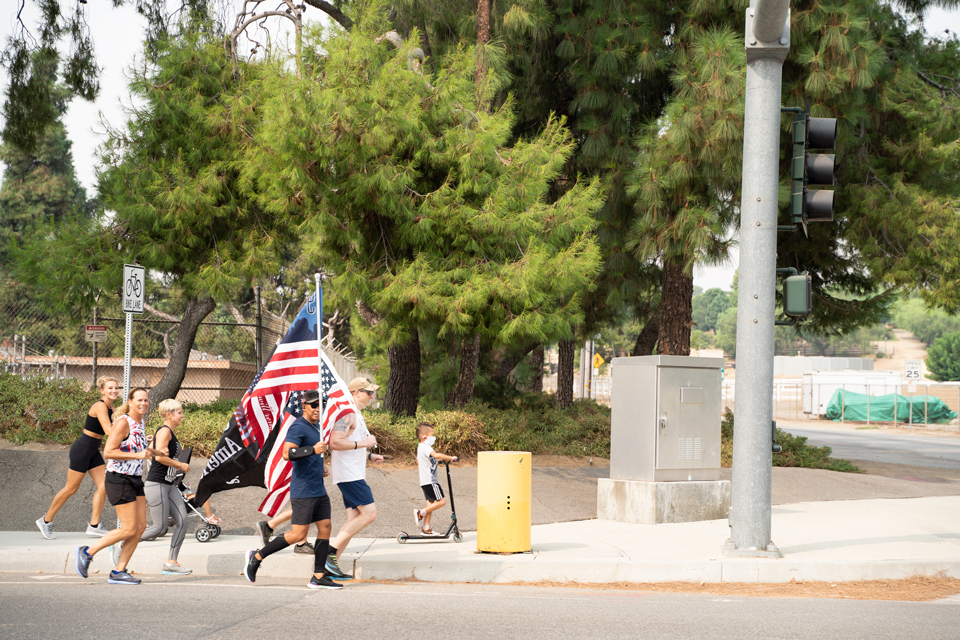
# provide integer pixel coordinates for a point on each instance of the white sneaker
(96, 531)
(174, 569)
(115, 552)
(46, 528)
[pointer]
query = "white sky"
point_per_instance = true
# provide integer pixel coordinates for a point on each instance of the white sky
(117, 37)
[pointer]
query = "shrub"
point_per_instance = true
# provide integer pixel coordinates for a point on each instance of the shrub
(796, 452)
(943, 358)
(37, 409)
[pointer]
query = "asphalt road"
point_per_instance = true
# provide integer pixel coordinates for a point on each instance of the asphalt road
(187, 608)
(866, 444)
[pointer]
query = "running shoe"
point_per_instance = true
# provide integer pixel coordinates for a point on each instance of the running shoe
(305, 549)
(174, 569)
(265, 532)
(418, 517)
(46, 529)
(250, 568)
(333, 569)
(323, 583)
(122, 577)
(83, 561)
(96, 531)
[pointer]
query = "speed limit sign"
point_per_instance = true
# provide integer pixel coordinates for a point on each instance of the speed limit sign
(913, 370)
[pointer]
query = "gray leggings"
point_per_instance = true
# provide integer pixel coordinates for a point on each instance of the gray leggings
(165, 500)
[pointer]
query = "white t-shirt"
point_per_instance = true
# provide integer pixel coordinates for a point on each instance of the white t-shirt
(351, 465)
(428, 465)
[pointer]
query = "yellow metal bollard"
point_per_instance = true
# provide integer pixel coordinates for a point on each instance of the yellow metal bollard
(504, 482)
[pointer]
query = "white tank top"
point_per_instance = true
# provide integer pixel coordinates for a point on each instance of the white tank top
(351, 465)
(135, 443)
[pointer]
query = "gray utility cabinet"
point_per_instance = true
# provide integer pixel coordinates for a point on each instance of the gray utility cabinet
(666, 418)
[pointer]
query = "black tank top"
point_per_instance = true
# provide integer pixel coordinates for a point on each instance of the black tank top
(93, 423)
(160, 472)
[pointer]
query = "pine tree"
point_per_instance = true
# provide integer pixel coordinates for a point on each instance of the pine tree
(172, 177)
(417, 202)
(40, 187)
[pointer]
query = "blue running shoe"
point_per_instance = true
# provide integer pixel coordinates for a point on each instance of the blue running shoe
(83, 561)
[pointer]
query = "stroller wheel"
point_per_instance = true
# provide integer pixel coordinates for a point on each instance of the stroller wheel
(402, 538)
(216, 530)
(203, 534)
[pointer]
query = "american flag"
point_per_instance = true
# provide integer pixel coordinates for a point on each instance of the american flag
(291, 370)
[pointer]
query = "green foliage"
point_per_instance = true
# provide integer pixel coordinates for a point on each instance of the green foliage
(707, 308)
(796, 452)
(923, 322)
(417, 201)
(35, 409)
(943, 358)
(40, 186)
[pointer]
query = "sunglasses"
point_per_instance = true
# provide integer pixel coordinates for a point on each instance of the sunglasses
(369, 393)
(313, 405)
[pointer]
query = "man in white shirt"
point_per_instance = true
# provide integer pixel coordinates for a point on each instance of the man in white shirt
(349, 442)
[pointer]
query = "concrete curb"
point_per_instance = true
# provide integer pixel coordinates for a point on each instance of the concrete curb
(825, 541)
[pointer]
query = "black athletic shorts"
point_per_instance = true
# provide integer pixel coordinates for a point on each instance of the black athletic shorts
(432, 492)
(121, 488)
(310, 510)
(85, 454)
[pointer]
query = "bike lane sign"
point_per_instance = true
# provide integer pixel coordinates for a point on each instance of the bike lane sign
(134, 285)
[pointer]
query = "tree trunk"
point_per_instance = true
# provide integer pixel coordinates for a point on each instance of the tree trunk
(507, 362)
(169, 385)
(647, 339)
(536, 363)
(676, 311)
(403, 385)
(469, 357)
(483, 37)
(565, 374)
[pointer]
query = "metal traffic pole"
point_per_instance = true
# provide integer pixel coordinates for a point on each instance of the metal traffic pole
(767, 41)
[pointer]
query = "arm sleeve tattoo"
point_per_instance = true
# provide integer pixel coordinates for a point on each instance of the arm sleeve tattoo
(342, 424)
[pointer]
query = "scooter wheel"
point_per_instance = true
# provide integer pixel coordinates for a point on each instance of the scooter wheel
(216, 530)
(402, 538)
(457, 537)
(203, 534)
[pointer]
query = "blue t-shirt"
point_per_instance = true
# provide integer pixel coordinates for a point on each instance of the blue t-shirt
(307, 478)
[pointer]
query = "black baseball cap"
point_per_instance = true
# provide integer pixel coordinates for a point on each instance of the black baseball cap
(311, 395)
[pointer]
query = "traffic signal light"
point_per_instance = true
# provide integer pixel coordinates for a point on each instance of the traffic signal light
(797, 296)
(817, 169)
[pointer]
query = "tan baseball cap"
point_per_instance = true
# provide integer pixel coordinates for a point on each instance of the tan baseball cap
(362, 383)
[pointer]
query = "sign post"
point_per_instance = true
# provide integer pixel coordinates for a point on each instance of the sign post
(134, 286)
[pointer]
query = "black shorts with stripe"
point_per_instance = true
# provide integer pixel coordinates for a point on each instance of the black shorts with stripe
(432, 492)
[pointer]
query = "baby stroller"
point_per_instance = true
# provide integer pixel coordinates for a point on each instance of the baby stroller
(209, 531)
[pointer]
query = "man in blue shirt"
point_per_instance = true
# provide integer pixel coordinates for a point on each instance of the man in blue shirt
(304, 447)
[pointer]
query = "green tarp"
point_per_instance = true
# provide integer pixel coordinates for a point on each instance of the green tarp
(882, 408)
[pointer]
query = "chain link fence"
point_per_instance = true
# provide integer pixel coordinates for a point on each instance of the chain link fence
(799, 401)
(230, 346)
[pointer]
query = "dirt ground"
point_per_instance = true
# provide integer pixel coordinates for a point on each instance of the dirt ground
(916, 589)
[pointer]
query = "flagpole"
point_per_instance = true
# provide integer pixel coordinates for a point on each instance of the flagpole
(316, 278)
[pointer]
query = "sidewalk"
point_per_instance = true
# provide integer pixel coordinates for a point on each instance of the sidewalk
(826, 541)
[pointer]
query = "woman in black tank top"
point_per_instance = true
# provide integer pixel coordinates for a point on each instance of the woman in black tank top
(85, 459)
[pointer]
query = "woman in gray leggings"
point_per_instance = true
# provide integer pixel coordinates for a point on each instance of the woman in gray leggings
(161, 487)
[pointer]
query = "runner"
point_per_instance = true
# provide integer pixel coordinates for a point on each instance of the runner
(85, 459)
(350, 441)
(162, 489)
(126, 449)
(304, 447)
